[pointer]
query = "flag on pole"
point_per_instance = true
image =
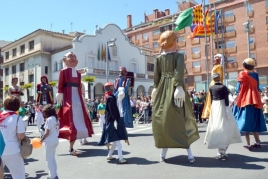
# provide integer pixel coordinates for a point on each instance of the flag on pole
(99, 52)
(198, 31)
(104, 53)
(109, 57)
(191, 16)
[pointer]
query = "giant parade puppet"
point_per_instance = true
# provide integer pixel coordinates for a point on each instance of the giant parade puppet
(74, 120)
(173, 119)
(14, 89)
(121, 86)
(43, 90)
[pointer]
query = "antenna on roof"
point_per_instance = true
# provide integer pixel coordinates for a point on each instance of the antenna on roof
(71, 26)
(51, 26)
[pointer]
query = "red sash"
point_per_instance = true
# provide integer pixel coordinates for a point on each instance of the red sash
(248, 94)
(3, 116)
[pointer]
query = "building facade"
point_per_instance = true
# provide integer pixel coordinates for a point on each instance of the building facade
(231, 40)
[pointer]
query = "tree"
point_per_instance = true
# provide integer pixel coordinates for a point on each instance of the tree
(52, 84)
(5, 89)
(88, 80)
(27, 86)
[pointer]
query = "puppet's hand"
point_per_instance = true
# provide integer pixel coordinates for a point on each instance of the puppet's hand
(59, 97)
(179, 96)
(154, 94)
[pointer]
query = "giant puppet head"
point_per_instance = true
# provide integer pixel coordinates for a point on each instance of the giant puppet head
(168, 41)
(44, 80)
(249, 63)
(217, 59)
(14, 81)
(70, 60)
(122, 71)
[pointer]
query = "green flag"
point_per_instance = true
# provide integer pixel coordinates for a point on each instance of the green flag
(99, 53)
(185, 19)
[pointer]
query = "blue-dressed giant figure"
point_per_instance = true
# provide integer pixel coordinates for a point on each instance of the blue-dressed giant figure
(123, 101)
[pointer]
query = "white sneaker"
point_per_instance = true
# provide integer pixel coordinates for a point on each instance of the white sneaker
(122, 161)
(191, 160)
(81, 142)
(162, 159)
(84, 141)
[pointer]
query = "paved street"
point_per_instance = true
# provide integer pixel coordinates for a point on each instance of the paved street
(143, 159)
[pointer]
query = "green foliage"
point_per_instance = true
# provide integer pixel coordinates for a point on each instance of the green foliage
(27, 86)
(88, 79)
(160, 22)
(154, 23)
(166, 20)
(5, 88)
(53, 83)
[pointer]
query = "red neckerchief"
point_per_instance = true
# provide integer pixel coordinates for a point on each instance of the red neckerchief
(108, 93)
(3, 116)
(248, 94)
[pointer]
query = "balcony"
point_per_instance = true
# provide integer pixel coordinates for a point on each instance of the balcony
(182, 44)
(230, 34)
(196, 70)
(219, 50)
(181, 31)
(231, 65)
(150, 76)
(230, 50)
(99, 72)
(252, 46)
(196, 55)
(250, 14)
(195, 41)
(229, 19)
(137, 42)
(140, 75)
(251, 30)
(219, 36)
(156, 50)
(156, 37)
(113, 73)
(145, 40)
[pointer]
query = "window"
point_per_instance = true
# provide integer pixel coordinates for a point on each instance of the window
(167, 27)
(230, 44)
(116, 65)
(136, 37)
(266, 3)
(14, 52)
(267, 20)
(133, 67)
(233, 75)
(6, 71)
(22, 66)
(55, 67)
(31, 45)
(220, 45)
(196, 64)
(46, 69)
(146, 46)
(150, 67)
(181, 39)
(31, 78)
(14, 69)
(155, 45)
(231, 59)
(21, 83)
(252, 55)
(251, 40)
(182, 51)
(145, 36)
(197, 78)
(250, 23)
(229, 28)
(22, 49)
(60, 65)
(229, 13)
(156, 32)
(7, 55)
(249, 8)
(195, 50)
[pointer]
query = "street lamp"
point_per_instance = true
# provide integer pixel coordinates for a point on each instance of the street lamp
(110, 43)
(247, 27)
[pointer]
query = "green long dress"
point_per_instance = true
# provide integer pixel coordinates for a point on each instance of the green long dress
(173, 127)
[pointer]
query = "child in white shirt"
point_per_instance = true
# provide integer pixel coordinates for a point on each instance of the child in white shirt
(51, 139)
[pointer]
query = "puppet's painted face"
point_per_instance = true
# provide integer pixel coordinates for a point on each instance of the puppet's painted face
(15, 81)
(70, 60)
(43, 80)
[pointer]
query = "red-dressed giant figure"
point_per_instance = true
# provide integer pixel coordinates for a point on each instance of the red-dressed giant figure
(74, 120)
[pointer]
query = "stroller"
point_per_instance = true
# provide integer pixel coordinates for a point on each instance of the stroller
(138, 118)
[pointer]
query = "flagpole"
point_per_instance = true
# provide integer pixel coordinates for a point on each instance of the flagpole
(222, 47)
(206, 48)
(211, 35)
(217, 39)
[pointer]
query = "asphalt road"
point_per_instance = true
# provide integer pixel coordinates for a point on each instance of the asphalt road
(143, 159)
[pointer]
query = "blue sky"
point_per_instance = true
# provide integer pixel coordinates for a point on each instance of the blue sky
(19, 18)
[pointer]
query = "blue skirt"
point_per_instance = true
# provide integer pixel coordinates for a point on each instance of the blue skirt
(249, 119)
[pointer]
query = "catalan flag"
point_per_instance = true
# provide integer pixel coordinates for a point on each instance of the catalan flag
(198, 31)
(191, 16)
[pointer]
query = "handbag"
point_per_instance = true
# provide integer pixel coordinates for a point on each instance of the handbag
(26, 147)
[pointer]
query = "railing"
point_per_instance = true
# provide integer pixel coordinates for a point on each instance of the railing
(251, 30)
(156, 50)
(230, 49)
(231, 65)
(229, 19)
(137, 42)
(182, 44)
(150, 76)
(156, 37)
(144, 40)
(99, 72)
(196, 70)
(196, 55)
(140, 75)
(230, 34)
(252, 46)
(113, 73)
(219, 36)
(250, 14)
(195, 41)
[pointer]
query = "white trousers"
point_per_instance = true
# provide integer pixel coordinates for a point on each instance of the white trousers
(15, 164)
(189, 151)
(102, 121)
(50, 151)
(119, 149)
